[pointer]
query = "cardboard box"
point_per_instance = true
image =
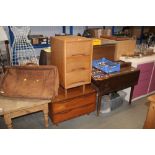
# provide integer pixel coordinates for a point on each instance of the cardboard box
(136, 31)
(40, 40)
(95, 33)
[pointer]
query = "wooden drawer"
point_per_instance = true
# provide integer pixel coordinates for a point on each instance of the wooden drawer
(78, 62)
(78, 77)
(76, 103)
(78, 48)
(86, 109)
(73, 103)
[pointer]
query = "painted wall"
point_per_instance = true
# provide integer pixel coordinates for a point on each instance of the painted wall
(52, 30)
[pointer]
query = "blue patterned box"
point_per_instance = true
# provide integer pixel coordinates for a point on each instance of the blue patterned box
(106, 65)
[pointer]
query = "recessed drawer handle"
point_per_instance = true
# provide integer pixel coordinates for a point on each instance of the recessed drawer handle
(76, 82)
(73, 55)
(82, 68)
(63, 112)
(66, 111)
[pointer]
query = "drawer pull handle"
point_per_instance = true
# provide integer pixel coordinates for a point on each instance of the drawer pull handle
(66, 111)
(77, 82)
(79, 55)
(63, 112)
(82, 68)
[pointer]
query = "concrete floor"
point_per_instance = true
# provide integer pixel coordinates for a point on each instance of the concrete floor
(124, 117)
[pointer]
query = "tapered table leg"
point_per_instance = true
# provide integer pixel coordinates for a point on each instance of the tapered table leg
(131, 93)
(8, 120)
(99, 104)
(45, 111)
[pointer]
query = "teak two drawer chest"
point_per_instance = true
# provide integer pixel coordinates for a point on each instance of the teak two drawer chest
(76, 103)
(73, 57)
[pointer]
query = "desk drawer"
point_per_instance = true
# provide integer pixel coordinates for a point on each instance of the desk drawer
(77, 48)
(78, 62)
(118, 82)
(78, 77)
(73, 103)
(86, 109)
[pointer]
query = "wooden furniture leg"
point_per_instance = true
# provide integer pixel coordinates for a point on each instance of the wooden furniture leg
(99, 104)
(131, 93)
(45, 111)
(83, 89)
(65, 92)
(150, 118)
(8, 120)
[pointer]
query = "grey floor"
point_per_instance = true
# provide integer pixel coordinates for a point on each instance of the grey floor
(124, 117)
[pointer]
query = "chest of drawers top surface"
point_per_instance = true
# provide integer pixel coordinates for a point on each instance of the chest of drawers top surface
(71, 38)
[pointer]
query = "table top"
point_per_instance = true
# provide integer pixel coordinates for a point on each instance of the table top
(8, 104)
(136, 61)
(126, 77)
(123, 70)
(73, 93)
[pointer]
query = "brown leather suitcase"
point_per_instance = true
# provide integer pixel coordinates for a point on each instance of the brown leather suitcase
(34, 81)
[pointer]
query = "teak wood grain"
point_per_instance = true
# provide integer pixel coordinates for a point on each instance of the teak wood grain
(76, 103)
(73, 57)
(150, 118)
(123, 47)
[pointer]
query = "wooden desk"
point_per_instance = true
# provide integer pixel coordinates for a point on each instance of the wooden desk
(127, 77)
(15, 107)
(114, 49)
(77, 102)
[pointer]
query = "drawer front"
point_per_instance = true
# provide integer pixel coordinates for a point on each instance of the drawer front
(79, 48)
(116, 83)
(73, 103)
(146, 67)
(78, 77)
(56, 118)
(78, 62)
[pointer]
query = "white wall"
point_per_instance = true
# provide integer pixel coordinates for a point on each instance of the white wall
(46, 30)
(52, 30)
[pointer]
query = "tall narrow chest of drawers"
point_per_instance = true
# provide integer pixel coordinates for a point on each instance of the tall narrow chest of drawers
(73, 57)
